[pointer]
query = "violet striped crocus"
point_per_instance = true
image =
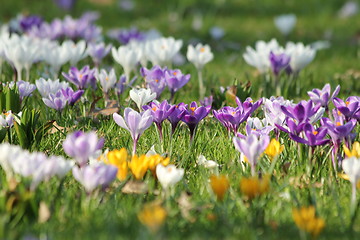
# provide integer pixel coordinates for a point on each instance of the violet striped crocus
(136, 123)
(56, 101)
(304, 111)
(71, 95)
(323, 96)
(350, 108)
(175, 80)
(193, 115)
(82, 78)
(81, 146)
(312, 137)
(155, 79)
(252, 147)
(160, 112)
(95, 175)
(25, 88)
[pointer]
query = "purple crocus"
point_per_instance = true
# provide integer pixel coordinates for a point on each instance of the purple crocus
(193, 115)
(136, 123)
(278, 62)
(160, 112)
(304, 111)
(291, 126)
(207, 101)
(312, 137)
(56, 101)
(98, 51)
(232, 117)
(155, 79)
(72, 96)
(175, 80)
(65, 4)
(176, 116)
(95, 175)
(126, 35)
(26, 23)
(350, 108)
(25, 88)
(252, 147)
(81, 78)
(81, 146)
(323, 96)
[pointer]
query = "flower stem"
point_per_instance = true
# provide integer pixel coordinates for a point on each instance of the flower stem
(201, 85)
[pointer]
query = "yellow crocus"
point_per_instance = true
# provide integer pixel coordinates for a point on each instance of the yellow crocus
(274, 148)
(355, 151)
(306, 220)
(152, 216)
(118, 158)
(139, 166)
(156, 159)
(254, 186)
(220, 185)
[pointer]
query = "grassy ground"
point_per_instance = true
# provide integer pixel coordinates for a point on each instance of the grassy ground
(113, 214)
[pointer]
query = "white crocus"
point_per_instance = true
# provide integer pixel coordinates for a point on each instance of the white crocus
(8, 153)
(168, 176)
(142, 96)
(259, 57)
(56, 56)
(199, 55)
(351, 167)
(202, 161)
(162, 51)
(47, 87)
(76, 51)
(300, 55)
(127, 57)
(285, 23)
(107, 80)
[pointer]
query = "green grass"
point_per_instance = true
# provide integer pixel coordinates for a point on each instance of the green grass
(113, 214)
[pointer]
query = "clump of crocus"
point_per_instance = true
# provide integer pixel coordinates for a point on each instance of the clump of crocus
(118, 158)
(136, 123)
(306, 220)
(152, 216)
(168, 175)
(252, 147)
(82, 78)
(193, 115)
(323, 96)
(156, 159)
(160, 112)
(220, 185)
(254, 186)
(81, 146)
(274, 149)
(139, 166)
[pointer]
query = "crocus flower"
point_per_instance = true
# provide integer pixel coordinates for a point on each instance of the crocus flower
(252, 147)
(81, 146)
(193, 115)
(351, 167)
(350, 108)
(161, 51)
(278, 62)
(25, 88)
(272, 110)
(28, 22)
(141, 96)
(155, 78)
(300, 55)
(254, 186)
(71, 96)
(118, 158)
(274, 149)
(82, 78)
(76, 51)
(126, 36)
(65, 4)
(355, 151)
(303, 111)
(152, 216)
(312, 137)
(127, 57)
(9, 153)
(307, 221)
(56, 101)
(139, 166)
(7, 119)
(285, 23)
(323, 96)
(199, 55)
(98, 51)
(202, 161)
(176, 116)
(136, 123)
(207, 101)
(45, 87)
(95, 175)
(160, 112)
(107, 80)
(220, 185)
(175, 80)
(121, 85)
(168, 176)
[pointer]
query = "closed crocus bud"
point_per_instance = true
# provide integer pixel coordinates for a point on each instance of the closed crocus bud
(107, 80)
(300, 55)
(168, 176)
(162, 51)
(220, 185)
(127, 57)
(142, 96)
(199, 55)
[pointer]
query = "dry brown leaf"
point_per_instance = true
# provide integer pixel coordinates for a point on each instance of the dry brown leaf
(44, 212)
(111, 107)
(135, 187)
(57, 128)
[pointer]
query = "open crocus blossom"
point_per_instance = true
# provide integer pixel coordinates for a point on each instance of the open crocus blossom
(82, 78)
(300, 55)
(304, 111)
(351, 167)
(45, 87)
(95, 175)
(154, 78)
(193, 115)
(199, 55)
(252, 147)
(285, 23)
(323, 96)
(56, 101)
(161, 51)
(175, 80)
(350, 108)
(142, 96)
(107, 80)
(168, 176)
(306, 220)
(98, 51)
(81, 146)
(127, 57)
(312, 137)
(136, 123)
